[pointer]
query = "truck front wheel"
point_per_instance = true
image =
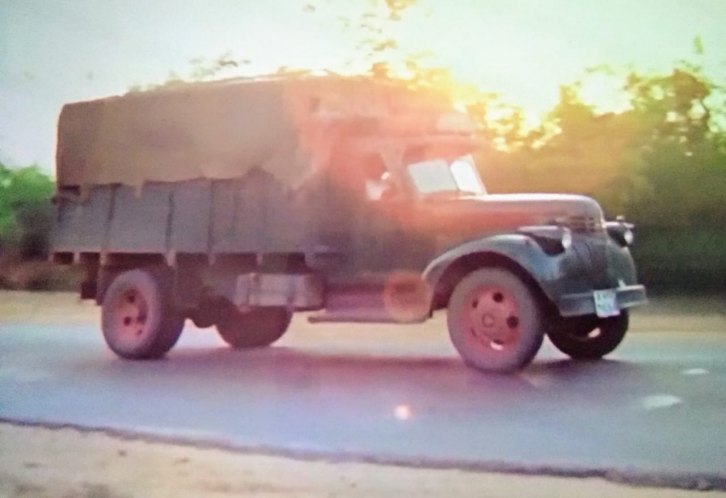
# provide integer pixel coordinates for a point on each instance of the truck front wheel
(588, 337)
(495, 321)
(137, 317)
(256, 328)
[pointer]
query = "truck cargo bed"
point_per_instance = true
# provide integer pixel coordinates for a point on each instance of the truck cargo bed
(249, 215)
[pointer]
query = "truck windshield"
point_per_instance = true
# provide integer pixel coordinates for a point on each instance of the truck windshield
(435, 176)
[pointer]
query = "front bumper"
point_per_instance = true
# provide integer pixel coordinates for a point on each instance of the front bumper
(584, 303)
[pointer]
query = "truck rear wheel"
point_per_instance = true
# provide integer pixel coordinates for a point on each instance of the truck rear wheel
(495, 321)
(256, 328)
(589, 337)
(137, 318)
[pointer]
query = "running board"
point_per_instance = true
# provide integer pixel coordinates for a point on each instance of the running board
(377, 316)
(371, 305)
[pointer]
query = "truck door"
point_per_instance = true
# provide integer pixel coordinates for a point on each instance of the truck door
(386, 254)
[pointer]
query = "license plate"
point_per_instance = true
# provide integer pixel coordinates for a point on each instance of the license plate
(606, 303)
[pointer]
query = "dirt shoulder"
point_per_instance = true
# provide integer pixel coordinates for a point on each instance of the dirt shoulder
(41, 462)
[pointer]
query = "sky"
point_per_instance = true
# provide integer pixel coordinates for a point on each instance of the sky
(58, 51)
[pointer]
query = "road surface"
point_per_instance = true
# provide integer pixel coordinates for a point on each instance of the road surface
(652, 414)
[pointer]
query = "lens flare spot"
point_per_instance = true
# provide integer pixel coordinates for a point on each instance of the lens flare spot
(695, 371)
(402, 412)
(657, 401)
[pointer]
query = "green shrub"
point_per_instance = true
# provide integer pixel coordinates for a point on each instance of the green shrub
(25, 212)
(681, 260)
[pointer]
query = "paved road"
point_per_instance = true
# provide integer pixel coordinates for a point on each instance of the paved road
(395, 394)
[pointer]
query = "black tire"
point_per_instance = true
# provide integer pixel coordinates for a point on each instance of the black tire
(137, 318)
(256, 328)
(495, 321)
(589, 337)
(206, 314)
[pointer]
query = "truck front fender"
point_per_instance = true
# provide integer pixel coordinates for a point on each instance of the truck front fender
(518, 252)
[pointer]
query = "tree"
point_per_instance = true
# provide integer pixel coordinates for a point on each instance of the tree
(661, 159)
(25, 211)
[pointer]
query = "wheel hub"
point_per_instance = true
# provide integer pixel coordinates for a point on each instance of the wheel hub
(131, 315)
(487, 321)
(494, 318)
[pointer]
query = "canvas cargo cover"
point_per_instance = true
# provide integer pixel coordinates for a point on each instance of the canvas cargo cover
(222, 130)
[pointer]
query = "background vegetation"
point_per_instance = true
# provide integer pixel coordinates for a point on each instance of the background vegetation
(661, 161)
(25, 214)
(25, 224)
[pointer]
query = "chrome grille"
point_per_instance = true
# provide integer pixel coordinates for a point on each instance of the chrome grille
(586, 224)
(592, 254)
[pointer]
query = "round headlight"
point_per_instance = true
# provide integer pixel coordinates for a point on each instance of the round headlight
(628, 236)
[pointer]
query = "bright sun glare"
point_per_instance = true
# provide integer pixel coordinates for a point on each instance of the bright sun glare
(514, 52)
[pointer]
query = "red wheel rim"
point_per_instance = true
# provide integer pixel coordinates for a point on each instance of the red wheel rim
(130, 317)
(492, 318)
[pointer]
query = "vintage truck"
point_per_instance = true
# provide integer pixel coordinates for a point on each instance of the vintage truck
(237, 203)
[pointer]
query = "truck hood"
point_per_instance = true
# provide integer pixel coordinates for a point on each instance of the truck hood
(479, 215)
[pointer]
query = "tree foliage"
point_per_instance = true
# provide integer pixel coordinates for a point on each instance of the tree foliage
(661, 160)
(25, 211)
